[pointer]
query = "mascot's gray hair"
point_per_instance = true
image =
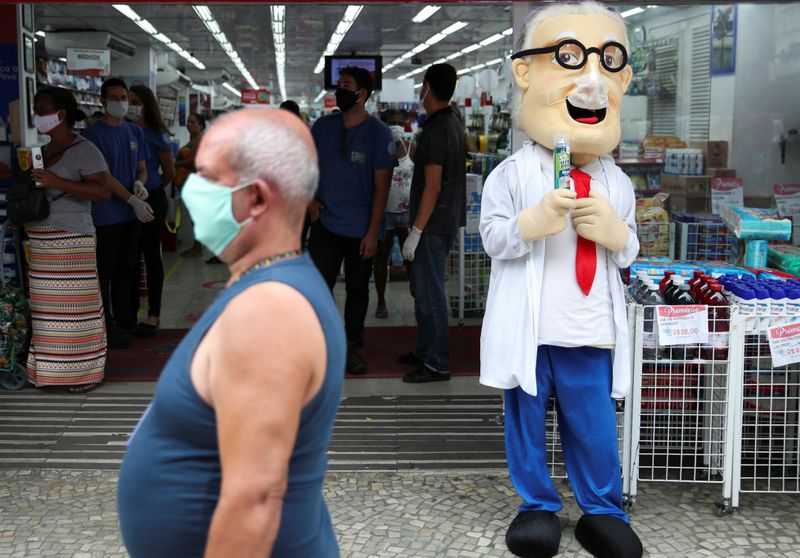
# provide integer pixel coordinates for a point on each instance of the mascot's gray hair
(556, 9)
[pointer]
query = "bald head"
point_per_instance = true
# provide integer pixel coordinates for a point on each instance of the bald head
(270, 144)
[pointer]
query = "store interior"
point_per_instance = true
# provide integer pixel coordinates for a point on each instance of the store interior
(706, 77)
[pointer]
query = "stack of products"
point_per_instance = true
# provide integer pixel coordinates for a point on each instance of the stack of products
(703, 236)
(684, 161)
(756, 226)
(630, 149)
(483, 164)
(652, 226)
(784, 258)
(655, 147)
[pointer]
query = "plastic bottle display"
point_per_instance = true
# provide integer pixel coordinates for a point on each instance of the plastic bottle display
(719, 315)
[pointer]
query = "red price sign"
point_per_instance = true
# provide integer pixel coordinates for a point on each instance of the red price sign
(784, 343)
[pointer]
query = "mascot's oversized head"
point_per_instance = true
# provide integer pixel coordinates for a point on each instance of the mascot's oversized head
(570, 74)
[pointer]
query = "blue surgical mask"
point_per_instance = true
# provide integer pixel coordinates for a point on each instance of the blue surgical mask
(211, 208)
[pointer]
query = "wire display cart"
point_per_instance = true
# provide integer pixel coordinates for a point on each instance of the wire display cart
(768, 417)
(682, 405)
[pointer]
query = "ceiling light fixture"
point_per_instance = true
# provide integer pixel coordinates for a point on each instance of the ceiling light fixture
(278, 14)
(232, 89)
(427, 44)
(632, 12)
(41, 33)
(148, 28)
(425, 13)
(471, 48)
(320, 95)
(349, 17)
(205, 15)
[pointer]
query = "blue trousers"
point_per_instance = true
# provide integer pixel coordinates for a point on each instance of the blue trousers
(580, 378)
(430, 300)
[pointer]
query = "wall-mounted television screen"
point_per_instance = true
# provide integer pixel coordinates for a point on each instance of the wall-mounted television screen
(333, 64)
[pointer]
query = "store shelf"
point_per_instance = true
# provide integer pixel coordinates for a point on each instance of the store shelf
(639, 161)
(650, 192)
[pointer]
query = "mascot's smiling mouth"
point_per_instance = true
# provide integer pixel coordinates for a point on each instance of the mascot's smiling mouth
(585, 116)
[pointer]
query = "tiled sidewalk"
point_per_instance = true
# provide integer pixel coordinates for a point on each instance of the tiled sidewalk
(451, 515)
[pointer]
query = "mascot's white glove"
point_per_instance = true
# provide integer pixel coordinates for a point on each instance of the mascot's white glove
(139, 190)
(142, 209)
(596, 220)
(410, 245)
(548, 217)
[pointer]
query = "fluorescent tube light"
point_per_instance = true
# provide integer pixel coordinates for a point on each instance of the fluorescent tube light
(470, 48)
(632, 12)
(425, 13)
(493, 39)
(127, 11)
(350, 15)
(41, 33)
(232, 89)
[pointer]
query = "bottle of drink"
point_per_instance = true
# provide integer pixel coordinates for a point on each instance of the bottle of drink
(696, 278)
(662, 285)
(719, 315)
(650, 299)
(678, 294)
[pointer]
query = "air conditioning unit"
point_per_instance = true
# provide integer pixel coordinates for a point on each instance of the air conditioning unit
(167, 77)
(220, 75)
(56, 43)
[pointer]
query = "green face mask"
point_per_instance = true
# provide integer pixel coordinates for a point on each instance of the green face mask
(211, 208)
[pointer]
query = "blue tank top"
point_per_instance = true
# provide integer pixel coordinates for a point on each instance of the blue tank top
(169, 482)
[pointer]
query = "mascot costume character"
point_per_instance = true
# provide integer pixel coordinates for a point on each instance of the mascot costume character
(555, 321)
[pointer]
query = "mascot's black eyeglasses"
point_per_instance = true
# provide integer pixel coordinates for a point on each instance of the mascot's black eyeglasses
(572, 55)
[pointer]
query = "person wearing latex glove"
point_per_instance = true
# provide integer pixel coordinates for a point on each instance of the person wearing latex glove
(596, 220)
(117, 220)
(437, 209)
(140, 191)
(142, 209)
(548, 217)
(410, 245)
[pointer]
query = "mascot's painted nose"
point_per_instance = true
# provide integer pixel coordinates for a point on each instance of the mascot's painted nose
(590, 93)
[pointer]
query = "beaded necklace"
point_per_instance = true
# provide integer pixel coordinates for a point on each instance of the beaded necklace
(271, 260)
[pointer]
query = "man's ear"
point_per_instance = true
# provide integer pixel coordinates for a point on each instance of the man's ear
(521, 71)
(626, 75)
(263, 193)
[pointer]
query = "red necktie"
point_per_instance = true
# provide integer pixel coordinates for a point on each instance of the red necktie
(586, 255)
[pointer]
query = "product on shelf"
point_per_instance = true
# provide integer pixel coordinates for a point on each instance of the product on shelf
(684, 161)
(756, 223)
(652, 226)
(784, 258)
(703, 236)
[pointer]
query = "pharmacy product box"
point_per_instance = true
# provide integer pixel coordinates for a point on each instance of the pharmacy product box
(756, 223)
(685, 185)
(715, 153)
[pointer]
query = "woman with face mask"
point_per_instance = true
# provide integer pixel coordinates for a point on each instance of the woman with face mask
(68, 342)
(397, 216)
(184, 166)
(144, 111)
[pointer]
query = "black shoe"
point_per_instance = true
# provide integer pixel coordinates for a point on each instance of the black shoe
(410, 359)
(424, 374)
(213, 260)
(356, 364)
(534, 534)
(606, 536)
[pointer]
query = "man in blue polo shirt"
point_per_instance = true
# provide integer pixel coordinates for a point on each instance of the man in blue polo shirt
(356, 158)
(117, 220)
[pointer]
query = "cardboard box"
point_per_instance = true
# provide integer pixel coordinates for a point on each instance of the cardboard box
(686, 185)
(721, 173)
(715, 153)
(689, 205)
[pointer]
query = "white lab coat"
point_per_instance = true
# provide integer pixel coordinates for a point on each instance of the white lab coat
(509, 339)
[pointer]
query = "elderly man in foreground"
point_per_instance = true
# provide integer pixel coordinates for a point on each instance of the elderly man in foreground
(229, 458)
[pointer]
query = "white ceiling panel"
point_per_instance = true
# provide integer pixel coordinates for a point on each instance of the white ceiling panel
(384, 29)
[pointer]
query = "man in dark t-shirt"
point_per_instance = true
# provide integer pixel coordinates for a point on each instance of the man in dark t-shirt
(438, 208)
(356, 158)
